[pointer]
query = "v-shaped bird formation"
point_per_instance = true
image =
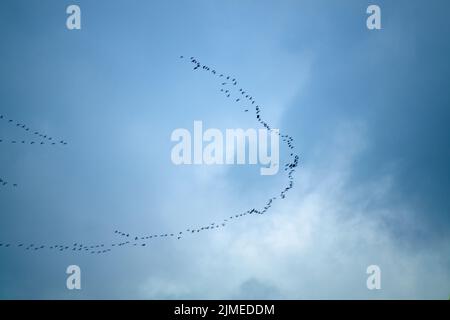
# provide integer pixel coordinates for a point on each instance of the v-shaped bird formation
(37, 138)
(228, 86)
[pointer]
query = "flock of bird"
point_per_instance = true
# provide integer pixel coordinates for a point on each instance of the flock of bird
(228, 85)
(40, 139)
(3, 183)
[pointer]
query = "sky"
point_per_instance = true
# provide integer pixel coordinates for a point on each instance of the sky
(368, 111)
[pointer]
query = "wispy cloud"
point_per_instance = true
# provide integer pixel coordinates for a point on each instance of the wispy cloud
(317, 244)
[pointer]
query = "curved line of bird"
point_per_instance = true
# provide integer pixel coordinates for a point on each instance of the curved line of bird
(228, 85)
(228, 88)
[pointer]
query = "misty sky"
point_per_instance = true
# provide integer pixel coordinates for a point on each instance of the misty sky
(368, 110)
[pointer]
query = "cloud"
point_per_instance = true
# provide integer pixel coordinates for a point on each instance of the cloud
(316, 244)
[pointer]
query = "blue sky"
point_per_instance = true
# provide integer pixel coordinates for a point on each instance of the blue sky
(368, 111)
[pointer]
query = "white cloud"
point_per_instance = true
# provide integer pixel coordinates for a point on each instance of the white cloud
(315, 244)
